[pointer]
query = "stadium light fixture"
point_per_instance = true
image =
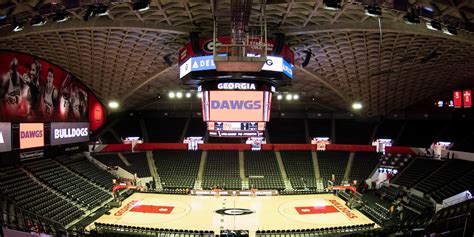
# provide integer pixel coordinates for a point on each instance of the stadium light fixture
(296, 96)
(373, 10)
(433, 25)
(332, 4)
(279, 97)
(171, 94)
(450, 30)
(60, 17)
(412, 17)
(188, 95)
(199, 95)
(113, 104)
(18, 28)
(357, 105)
(141, 5)
(289, 97)
(179, 94)
(38, 21)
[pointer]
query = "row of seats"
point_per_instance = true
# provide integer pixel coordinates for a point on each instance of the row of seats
(333, 162)
(316, 231)
(299, 168)
(177, 169)
(390, 192)
(69, 184)
(362, 165)
(419, 203)
(88, 170)
(463, 183)
(104, 228)
(419, 169)
(263, 164)
(222, 169)
(377, 213)
(450, 171)
(138, 164)
(15, 184)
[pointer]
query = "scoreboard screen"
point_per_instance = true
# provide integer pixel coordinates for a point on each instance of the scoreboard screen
(236, 106)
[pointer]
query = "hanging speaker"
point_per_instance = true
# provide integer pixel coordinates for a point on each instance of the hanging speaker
(194, 37)
(307, 58)
(279, 43)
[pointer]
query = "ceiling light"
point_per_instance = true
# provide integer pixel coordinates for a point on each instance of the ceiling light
(411, 17)
(373, 10)
(188, 95)
(179, 95)
(332, 4)
(60, 17)
(101, 10)
(295, 97)
(289, 97)
(433, 25)
(141, 5)
(3, 17)
(17, 28)
(357, 105)
(279, 97)
(38, 21)
(113, 104)
(199, 95)
(171, 94)
(450, 30)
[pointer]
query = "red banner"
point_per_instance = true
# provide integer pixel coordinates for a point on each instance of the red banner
(467, 98)
(35, 90)
(457, 99)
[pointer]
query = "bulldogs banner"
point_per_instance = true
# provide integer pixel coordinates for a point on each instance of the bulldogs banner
(65, 133)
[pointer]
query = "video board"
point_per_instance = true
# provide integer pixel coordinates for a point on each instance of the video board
(236, 106)
(65, 133)
(34, 90)
(5, 137)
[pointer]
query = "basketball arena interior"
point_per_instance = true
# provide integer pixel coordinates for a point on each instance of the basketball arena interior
(261, 118)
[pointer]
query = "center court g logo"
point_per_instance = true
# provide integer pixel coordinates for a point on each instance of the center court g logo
(234, 211)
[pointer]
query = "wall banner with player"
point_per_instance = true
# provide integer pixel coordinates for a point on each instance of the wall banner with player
(34, 90)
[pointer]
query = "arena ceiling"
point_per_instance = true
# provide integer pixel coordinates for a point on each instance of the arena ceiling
(382, 62)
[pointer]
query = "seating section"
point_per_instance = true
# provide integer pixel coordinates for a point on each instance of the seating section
(397, 161)
(222, 169)
(363, 164)
(109, 159)
(299, 168)
(89, 171)
(451, 170)
(138, 164)
(177, 169)
(69, 184)
(114, 230)
(15, 184)
(323, 231)
(390, 192)
(378, 212)
(453, 220)
(261, 168)
(463, 183)
(333, 162)
(417, 171)
(419, 203)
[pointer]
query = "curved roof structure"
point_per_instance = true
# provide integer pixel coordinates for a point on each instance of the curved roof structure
(381, 61)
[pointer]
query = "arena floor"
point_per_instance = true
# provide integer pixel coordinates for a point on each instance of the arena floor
(257, 213)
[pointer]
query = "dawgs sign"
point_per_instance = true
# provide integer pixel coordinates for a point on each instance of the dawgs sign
(65, 133)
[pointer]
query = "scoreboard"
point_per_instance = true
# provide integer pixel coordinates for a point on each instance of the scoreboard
(236, 109)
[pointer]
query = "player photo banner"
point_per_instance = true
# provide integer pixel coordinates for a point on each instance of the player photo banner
(34, 90)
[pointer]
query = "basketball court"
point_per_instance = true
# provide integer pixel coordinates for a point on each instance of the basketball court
(238, 213)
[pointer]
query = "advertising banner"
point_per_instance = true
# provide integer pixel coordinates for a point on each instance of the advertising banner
(65, 133)
(35, 90)
(31, 135)
(467, 98)
(457, 98)
(5, 137)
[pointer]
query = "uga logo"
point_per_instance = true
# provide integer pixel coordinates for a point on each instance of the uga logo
(236, 104)
(209, 45)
